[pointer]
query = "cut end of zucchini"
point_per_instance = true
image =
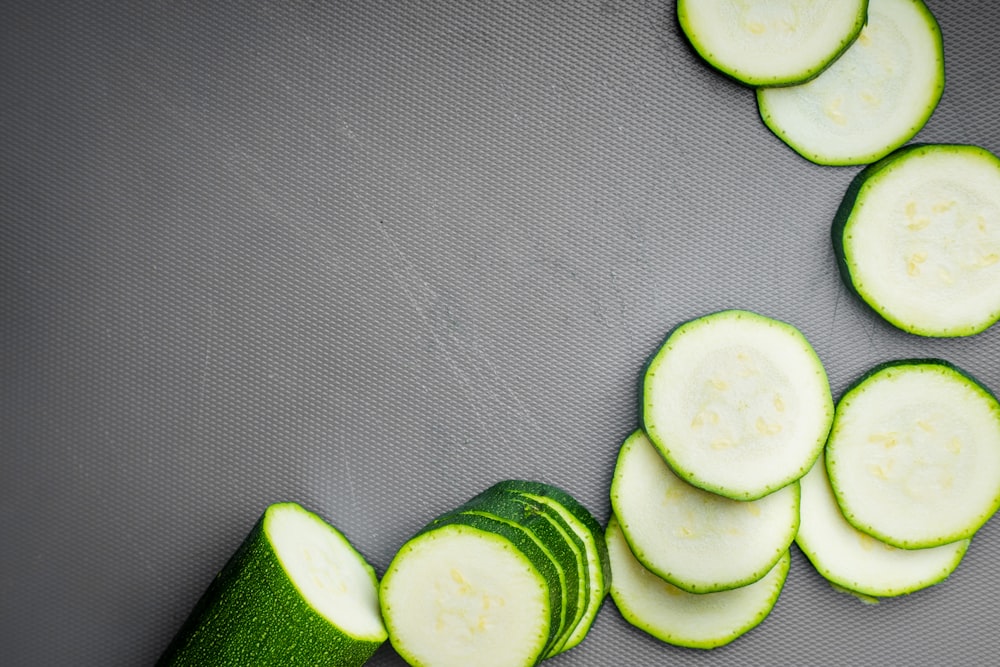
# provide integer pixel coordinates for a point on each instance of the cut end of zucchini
(774, 43)
(914, 454)
(918, 239)
(873, 98)
(737, 403)
(326, 569)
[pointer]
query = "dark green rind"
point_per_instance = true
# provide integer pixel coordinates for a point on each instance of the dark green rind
(521, 539)
(857, 385)
(746, 80)
(852, 201)
(589, 531)
(650, 367)
(252, 614)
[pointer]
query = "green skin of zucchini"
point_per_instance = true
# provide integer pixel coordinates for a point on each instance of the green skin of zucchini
(581, 513)
(252, 614)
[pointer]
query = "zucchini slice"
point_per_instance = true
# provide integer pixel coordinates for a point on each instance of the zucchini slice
(686, 619)
(914, 454)
(295, 593)
(698, 541)
(917, 238)
(737, 403)
(591, 534)
(771, 42)
(462, 593)
(873, 98)
(857, 562)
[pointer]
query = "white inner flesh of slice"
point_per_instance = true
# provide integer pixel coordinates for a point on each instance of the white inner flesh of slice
(741, 405)
(857, 561)
(925, 247)
(459, 596)
(687, 619)
(772, 40)
(915, 456)
(874, 95)
(698, 540)
(329, 573)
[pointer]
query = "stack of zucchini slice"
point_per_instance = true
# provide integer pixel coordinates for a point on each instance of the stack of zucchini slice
(514, 576)
(736, 408)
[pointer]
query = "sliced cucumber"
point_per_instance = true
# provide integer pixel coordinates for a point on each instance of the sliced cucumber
(855, 561)
(462, 594)
(295, 593)
(587, 529)
(771, 42)
(699, 541)
(737, 403)
(917, 237)
(701, 621)
(914, 454)
(873, 98)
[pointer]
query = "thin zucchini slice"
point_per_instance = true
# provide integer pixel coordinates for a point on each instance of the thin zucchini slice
(698, 541)
(674, 616)
(873, 98)
(295, 593)
(737, 403)
(917, 238)
(590, 532)
(771, 42)
(463, 593)
(857, 562)
(914, 454)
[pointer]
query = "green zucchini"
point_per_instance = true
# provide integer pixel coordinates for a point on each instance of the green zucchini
(698, 541)
(469, 592)
(873, 98)
(587, 529)
(917, 238)
(737, 403)
(858, 563)
(914, 454)
(295, 593)
(703, 621)
(771, 42)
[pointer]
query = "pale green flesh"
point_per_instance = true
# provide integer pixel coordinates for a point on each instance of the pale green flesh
(737, 403)
(329, 573)
(772, 42)
(872, 99)
(914, 455)
(458, 596)
(674, 616)
(698, 541)
(858, 562)
(922, 242)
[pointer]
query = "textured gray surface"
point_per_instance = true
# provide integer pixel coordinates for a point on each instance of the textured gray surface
(374, 257)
